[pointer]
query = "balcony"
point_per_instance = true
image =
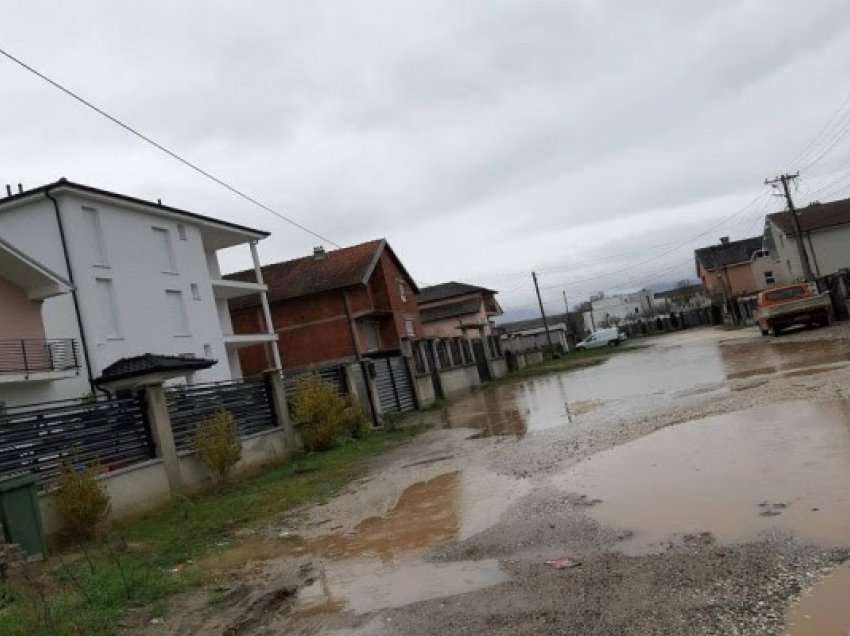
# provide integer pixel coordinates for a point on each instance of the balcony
(38, 360)
(227, 289)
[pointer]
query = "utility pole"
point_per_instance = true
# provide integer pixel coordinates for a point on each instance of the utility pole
(542, 312)
(801, 247)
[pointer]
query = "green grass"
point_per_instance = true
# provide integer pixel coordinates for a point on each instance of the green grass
(570, 361)
(90, 592)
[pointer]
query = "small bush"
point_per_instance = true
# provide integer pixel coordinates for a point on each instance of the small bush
(356, 422)
(82, 501)
(217, 445)
(320, 413)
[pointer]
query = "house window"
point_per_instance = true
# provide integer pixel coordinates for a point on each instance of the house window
(196, 292)
(372, 339)
(454, 346)
(108, 309)
(419, 358)
(409, 329)
(402, 291)
(467, 351)
(768, 278)
(208, 352)
(178, 320)
(94, 235)
(181, 231)
(167, 261)
(443, 355)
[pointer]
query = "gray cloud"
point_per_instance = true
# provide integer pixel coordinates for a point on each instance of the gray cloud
(481, 138)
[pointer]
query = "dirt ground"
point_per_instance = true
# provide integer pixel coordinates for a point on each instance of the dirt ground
(696, 486)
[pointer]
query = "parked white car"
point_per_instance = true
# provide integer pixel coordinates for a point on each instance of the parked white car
(602, 338)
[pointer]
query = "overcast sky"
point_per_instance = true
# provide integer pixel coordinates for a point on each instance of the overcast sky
(598, 142)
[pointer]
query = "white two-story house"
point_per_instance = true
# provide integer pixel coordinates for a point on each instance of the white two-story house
(114, 277)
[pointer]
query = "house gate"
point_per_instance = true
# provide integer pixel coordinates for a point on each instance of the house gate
(394, 385)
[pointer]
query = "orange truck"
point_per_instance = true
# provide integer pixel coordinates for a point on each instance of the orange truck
(789, 305)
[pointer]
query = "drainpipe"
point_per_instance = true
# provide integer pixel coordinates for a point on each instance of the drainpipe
(83, 339)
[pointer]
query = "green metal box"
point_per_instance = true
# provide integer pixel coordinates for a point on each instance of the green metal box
(21, 516)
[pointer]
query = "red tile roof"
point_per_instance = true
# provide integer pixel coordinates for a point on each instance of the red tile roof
(335, 269)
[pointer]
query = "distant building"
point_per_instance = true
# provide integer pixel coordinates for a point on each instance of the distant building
(529, 335)
(736, 270)
(458, 322)
(680, 299)
(610, 311)
(825, 231)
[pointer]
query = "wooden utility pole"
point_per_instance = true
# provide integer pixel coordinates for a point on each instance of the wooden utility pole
(542, 312)
(801, 247)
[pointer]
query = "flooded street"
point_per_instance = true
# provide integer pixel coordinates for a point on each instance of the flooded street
(694, 485)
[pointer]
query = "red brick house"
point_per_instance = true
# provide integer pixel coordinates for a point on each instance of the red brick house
(330, 306)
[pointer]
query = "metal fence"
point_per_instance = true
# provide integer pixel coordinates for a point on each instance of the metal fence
(333, 375)
(249, 401)
(33, 355)
(38, 438)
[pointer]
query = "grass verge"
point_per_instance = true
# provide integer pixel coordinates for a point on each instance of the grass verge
(570, 361)
(144, 561)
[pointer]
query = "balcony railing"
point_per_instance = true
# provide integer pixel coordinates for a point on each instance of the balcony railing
(34, 355)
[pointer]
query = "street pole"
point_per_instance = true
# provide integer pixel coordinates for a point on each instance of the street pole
(801, 247)
(542, 312)
(566, 312)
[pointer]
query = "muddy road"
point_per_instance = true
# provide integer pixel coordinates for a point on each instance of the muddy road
(695, 486)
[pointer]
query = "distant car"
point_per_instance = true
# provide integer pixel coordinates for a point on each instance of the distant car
(797, 304)
(602, 338)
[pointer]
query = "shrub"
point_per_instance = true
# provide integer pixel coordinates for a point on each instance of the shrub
(217, 445)
(356, 422)
(82, 500)
(320, 413)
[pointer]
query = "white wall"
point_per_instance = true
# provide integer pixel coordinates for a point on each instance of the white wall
(139, 284)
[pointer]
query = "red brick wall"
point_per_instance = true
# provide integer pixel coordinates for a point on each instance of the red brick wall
(386, 286)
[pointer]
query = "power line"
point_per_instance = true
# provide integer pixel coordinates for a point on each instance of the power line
(162, 148)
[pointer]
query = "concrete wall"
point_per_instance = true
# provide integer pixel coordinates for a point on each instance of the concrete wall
(826, 249)
(534, 357)
(424, 388)
(498, 368)
(258, 450)
(458, 380)
(132, 491)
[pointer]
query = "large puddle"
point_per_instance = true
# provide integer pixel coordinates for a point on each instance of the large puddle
(382, 561)
(676, 368)
(784, 467)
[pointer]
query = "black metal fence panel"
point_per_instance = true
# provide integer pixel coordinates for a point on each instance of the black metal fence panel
(249, 401)
(333, 375)
(37, 439)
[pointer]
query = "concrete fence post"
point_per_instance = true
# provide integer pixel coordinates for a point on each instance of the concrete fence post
(281, 409)
(163, 436)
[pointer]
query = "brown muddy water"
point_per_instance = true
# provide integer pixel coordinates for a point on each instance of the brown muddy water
(825, 609)
(779, 468)
(381, 562)
(676, 369)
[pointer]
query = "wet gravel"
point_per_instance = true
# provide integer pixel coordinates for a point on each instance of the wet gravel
(689, 586)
